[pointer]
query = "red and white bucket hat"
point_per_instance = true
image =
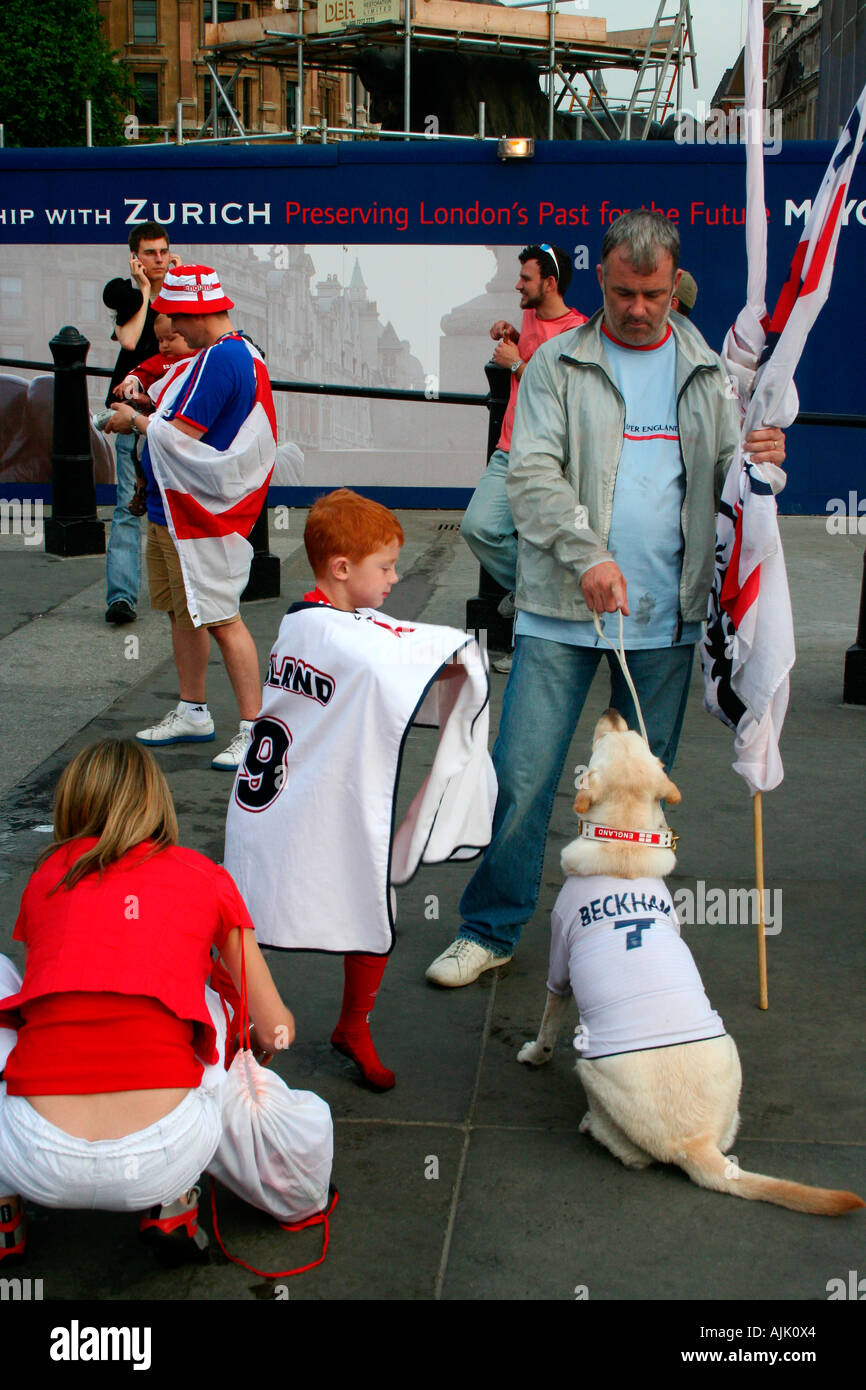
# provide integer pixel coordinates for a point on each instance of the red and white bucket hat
(192, 289)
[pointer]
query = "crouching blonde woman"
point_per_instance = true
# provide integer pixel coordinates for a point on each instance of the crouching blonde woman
(111, 1048)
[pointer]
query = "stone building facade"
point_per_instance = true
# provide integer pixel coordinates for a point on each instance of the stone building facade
(161, 42)
(843, 63)
(793, 63)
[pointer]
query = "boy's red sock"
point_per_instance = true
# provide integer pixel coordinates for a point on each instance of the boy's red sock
(363, 975)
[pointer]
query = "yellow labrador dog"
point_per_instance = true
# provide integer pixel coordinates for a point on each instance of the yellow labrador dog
(661, 1075)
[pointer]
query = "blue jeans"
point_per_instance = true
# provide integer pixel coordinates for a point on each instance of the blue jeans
(488, 526)
(545, 694)
(123, 557)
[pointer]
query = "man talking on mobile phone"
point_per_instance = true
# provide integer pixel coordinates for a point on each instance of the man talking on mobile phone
(132, 304)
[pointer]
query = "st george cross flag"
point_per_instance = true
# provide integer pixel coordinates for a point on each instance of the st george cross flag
(212, 497)
(748, 649)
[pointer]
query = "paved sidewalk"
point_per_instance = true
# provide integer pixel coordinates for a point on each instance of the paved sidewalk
(470, 1180)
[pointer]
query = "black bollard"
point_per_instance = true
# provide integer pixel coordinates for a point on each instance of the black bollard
(854, 682)
(73, 527)
(264, 580)
(482, 611)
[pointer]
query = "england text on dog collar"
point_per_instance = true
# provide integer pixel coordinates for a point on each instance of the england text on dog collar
(657, 839)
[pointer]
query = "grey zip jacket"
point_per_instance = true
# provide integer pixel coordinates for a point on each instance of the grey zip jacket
(564, 457)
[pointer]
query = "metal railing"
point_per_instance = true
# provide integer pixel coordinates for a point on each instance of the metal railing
(306, 388)
(387, 393)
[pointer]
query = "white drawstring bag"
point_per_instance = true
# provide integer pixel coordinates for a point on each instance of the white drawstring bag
(277, 1145)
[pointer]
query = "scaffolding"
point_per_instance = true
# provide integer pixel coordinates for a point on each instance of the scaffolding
(330, 35)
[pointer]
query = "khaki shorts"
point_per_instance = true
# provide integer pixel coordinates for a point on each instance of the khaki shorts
(165, 579)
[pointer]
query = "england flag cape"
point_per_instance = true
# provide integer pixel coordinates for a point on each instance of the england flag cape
(212, 497)
(748, 649)
(310, 833)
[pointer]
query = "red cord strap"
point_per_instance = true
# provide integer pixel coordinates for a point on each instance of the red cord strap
(320, 1218)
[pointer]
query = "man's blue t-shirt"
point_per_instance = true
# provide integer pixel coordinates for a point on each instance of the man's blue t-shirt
(217, 395)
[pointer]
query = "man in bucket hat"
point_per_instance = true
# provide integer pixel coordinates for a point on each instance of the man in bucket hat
(208, 455)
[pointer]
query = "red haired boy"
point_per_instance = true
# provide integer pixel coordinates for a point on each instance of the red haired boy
(353, 544)
(311, 834)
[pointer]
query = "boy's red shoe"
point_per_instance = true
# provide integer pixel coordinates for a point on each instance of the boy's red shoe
(362, 977)
(362, 1052)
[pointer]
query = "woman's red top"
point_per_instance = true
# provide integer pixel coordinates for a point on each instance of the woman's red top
(113, 994)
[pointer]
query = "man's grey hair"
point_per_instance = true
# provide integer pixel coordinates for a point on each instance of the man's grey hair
(642, 237)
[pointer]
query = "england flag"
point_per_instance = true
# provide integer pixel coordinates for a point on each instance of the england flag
(748, 648)
(212, 497)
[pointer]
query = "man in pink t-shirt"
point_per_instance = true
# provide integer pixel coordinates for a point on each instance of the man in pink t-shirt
(488, 527)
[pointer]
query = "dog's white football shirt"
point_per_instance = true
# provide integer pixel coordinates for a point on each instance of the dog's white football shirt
(615, 943)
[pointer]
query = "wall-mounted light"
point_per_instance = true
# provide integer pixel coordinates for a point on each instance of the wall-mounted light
(515, 147)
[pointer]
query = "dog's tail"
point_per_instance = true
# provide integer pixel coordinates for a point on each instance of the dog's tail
(706, 1165)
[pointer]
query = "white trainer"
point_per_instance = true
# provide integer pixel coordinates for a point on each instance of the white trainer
(177, 727)
(462, 963)
(231, 758)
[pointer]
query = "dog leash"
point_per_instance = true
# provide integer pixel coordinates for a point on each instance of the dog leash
(620, 656)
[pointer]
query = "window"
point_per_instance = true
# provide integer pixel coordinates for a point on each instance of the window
(291, 104)
(147, 97)
(12, 296)
(91, 301)
(241, 98)
(226, 11)
(225, 124)
(144, 21)
(246, 112)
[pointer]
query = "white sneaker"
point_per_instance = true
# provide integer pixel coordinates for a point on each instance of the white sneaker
(177, 727)
(232, 757)
(462, 963)
(502, 664)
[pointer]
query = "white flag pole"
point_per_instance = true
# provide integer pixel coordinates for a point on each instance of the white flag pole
(758, 832)
(756, 240)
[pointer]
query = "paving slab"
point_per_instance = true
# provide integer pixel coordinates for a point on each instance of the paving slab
(580, 1226)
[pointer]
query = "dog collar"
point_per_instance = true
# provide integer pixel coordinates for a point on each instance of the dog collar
(657, 839)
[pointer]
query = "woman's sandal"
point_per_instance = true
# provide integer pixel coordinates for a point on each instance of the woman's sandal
(173, 1231)
(13, 1230)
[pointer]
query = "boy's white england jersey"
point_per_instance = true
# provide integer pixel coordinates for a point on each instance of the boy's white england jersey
(311, 834)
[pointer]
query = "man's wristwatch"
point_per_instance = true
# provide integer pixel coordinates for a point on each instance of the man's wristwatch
(515, 366)
(133, 426)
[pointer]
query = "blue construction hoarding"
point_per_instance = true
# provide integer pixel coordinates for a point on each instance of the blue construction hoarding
(385, 263)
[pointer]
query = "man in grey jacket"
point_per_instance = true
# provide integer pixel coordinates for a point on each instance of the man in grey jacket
(623, 434)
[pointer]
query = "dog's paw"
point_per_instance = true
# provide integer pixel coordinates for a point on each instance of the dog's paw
(534, 1054)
